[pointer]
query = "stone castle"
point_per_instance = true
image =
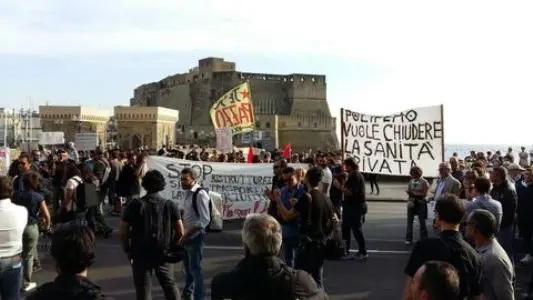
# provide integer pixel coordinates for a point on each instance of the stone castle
(289, 109)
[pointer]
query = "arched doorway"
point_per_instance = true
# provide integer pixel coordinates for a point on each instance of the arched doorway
(136, 141)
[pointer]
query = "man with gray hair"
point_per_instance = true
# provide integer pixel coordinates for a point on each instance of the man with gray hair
(497, 268)
(262, 274)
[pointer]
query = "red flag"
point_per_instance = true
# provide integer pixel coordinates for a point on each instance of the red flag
(287, 151)
(251, 154)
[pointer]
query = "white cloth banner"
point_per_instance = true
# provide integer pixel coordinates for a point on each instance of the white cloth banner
(224, 139)
(52, 138)
(393, 144)
(242, 186)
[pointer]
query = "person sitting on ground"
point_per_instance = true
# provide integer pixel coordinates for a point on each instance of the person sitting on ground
(73, 250)
(262, 274)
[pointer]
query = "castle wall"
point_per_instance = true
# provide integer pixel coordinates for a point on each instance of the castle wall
(308, 95)
(194, 93)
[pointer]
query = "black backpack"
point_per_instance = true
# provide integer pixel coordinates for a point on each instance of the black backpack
(86, 195)
(195, 208)
(159, 238)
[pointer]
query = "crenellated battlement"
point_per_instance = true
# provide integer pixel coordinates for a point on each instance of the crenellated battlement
(298, 101)
(307, 122)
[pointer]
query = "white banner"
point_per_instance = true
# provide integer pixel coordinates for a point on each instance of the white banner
(86, 141)
(242, 186)
(392, 144)
(52, 138)
(224, 139)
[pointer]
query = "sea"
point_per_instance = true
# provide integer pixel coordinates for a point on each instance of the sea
(463, 150)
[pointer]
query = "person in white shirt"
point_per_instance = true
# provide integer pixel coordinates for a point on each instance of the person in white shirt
(13, 219)
(69, 210)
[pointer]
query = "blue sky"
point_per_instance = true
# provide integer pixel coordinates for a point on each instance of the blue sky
(379, 56)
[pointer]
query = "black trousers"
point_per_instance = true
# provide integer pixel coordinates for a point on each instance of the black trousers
(142, 280)
(352, 222)
(373, 180)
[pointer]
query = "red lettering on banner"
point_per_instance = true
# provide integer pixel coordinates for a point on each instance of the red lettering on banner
(231, 212)
(238, 114)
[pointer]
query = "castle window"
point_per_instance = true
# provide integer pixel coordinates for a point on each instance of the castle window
(299, 124)
(315, 125)
(302, 79)
(202, 75)
(267, 125)
(313, 79)
(258, 124)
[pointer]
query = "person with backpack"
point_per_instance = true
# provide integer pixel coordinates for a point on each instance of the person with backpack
(196, 218)
(69, 210)
(262, 275)
(87, 198)
(149, 233)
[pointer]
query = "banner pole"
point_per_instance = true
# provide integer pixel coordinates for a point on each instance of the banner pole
(342, 133)
(442, 125)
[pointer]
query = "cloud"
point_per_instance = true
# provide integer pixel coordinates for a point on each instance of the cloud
(474, 56)
(395, 32)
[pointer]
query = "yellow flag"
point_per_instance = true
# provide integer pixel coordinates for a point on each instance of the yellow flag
(234, 110)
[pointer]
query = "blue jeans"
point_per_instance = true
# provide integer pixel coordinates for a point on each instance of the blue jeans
(289, 250)
(10, 278)
(192, 263)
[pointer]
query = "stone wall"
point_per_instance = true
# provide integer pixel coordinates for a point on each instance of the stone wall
(74, 119)
(145, 126)
(194, 93)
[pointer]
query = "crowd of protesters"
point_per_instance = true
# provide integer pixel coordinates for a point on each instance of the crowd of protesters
(480, 202)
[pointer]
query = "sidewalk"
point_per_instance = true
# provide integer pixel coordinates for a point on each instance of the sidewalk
(389, 192)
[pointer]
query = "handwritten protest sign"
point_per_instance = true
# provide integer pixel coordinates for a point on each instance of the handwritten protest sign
(392, 144)
(241, 186)
(234, 110)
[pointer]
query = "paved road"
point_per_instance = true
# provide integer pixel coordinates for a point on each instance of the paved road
(380, 277)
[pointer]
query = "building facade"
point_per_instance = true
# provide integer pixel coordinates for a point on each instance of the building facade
(290, 109)
(22, 127)
(149, 127)
(74, 119)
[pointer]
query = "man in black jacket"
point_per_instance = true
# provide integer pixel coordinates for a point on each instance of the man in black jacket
(505, 192)
(262, 275)
(354, 208)
(73, 250)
